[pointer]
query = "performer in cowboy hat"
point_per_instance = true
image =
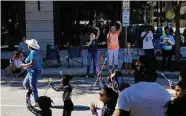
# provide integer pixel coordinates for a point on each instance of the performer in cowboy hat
(33, 68)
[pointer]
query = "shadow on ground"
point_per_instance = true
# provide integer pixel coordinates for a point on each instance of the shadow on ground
(81, 85)
(76, 107)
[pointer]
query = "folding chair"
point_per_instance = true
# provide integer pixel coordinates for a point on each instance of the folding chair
(74, 53)
(52, 57)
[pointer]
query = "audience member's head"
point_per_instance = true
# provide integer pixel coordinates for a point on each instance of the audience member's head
(180, 88)
(92, 36)
(177, 107)
(146, 69)
(167, 30)
(16, 55)
(108, 96)
(44, 102)
(146, 28)
(24, 38)
(66, 79)
(113, 28)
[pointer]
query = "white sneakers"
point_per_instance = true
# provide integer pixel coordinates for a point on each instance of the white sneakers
(35, 104)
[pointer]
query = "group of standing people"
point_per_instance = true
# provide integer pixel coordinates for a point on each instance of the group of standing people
(113, 48)
(145, 76)
(167, 43)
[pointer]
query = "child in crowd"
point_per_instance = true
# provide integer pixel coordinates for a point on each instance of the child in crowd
(128, 58)
(16, 61)
(109, 98)
(44, 103)
(66, 87)
(116, 81)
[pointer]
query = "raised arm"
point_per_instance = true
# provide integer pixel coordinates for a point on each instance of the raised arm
(144, 34)
(108, 37)
(120, 27)
(56, 88)
(98, 33)
(89, 43)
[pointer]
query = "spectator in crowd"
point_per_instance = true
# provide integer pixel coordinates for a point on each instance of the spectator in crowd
(177, 107)
(146, 97)
(116, 81)
(113, 45)
(15, 63)
(44, 104)
(33, 68)
(93, 52)
(180, 88)
(128, 58)
(23, 47)
(147, 37)
(167, 42)
(109, 98)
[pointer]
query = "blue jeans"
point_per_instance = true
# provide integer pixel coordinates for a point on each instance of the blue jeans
(94, 56)
(30, 81)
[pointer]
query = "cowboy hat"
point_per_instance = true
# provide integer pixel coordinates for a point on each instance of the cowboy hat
(33, 43)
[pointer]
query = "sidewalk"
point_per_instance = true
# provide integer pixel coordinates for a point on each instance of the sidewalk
(77, 69)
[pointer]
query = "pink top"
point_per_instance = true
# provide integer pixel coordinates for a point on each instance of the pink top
(113, 42)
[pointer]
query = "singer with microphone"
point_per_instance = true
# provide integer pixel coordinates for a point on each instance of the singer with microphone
(92, 51)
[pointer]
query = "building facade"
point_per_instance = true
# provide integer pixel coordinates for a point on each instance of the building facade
(55, 22)
(59, 23)
(40, 21)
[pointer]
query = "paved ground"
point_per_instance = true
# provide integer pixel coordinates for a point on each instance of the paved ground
(13, 95)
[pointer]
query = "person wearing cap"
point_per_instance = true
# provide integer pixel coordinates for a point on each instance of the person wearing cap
(33, 68)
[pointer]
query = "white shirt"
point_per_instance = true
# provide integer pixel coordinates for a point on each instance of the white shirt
(144, 99)
(147, 41)
(17, 63)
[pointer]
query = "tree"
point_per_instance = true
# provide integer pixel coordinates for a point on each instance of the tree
(138, 11)
(176, 8)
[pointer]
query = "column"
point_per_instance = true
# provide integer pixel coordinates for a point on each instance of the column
(39, 22)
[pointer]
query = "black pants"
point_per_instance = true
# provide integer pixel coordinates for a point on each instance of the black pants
(68, 108)
(166, 54)
(149, 52)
